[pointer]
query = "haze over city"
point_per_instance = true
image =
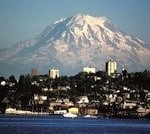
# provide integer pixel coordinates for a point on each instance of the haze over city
(22, 20)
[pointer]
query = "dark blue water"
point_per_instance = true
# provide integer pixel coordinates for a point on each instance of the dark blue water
(61, 125)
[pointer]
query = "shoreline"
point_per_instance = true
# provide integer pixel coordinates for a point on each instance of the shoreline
(15, 112)
(59, 115)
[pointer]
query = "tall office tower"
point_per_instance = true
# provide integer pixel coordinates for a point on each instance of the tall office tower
(111, 67)
(53, 73)
(34, 71)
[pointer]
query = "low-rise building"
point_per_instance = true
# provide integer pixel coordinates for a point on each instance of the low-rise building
(73, 110)
(83, 99)
(91, 111)
(60, 104)
(89, 70)
(39, 99)
(63, 88)
(129, 104)
(142, 111)
(3, 83)
(60, 112)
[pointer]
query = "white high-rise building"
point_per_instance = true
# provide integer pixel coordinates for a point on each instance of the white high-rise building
(111, 67)
(89, 69)
(54, 73)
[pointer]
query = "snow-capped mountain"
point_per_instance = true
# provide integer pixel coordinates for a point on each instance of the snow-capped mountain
(74, 42)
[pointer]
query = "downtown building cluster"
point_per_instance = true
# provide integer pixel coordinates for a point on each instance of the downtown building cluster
(96, 93)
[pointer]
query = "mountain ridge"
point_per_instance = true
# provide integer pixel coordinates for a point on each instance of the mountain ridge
(74, 42)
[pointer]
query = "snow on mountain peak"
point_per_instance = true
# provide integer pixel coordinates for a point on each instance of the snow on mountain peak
(74, 42)
(82, 19)
(89, 18)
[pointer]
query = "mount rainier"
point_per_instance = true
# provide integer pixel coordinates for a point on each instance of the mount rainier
(74, 42)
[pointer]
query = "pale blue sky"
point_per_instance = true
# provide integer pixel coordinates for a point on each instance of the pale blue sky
(25, 19)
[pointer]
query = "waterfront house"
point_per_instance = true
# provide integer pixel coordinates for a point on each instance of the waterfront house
(91, 111)
(73, 110)
(143, 111)
(129, 104)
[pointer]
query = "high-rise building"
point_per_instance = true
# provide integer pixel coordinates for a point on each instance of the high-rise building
(53, 73)
(89, 70)
(111, 67)
(34, 71)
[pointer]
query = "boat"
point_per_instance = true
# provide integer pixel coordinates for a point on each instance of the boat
(90, 116)
(70, 115)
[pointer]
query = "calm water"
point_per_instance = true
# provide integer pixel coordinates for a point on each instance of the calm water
(61, 125)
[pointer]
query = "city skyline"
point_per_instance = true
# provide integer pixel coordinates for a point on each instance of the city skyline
(22, 20)
(110, 69)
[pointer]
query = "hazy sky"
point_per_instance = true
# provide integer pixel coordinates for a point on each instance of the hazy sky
(25, 19)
